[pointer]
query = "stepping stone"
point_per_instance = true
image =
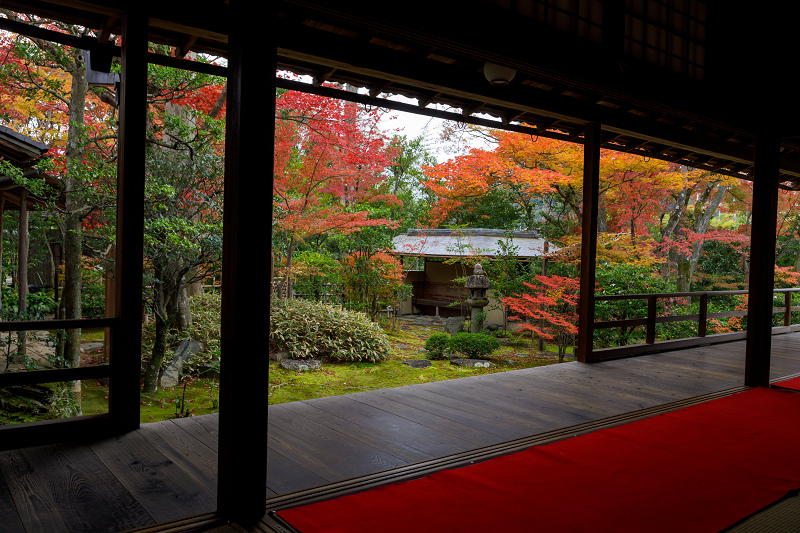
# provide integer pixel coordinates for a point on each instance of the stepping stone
(418, 363)
(300, 365)
(472, 362)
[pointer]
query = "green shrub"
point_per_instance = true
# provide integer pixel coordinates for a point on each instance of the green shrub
(436, 345)
(205, 328)
(473, 344)
(312, 329)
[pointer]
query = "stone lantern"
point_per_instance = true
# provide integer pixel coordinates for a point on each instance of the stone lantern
(477, 284)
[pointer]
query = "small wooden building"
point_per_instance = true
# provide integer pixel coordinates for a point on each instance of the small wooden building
(24, 153)
(442, 251)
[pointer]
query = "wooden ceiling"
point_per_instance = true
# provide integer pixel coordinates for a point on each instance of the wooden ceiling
(663, 101)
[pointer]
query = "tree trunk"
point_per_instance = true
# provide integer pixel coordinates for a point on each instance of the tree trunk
(161, 310)
(184, 314)
(70, 304)
(153, 369)
(683, 279)
(602, 217)
(701, 225)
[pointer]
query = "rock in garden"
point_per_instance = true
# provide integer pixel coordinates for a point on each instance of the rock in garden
(300, 365)
(510, 362)
(454, 324)
(279, 356)
(493, 326)
(90, 347)
(417, 363)
(185, 351)
(472, 362)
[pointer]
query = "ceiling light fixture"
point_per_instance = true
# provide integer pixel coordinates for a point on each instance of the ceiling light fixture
(498, 74)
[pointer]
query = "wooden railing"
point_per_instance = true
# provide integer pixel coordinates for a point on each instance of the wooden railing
(701, 317)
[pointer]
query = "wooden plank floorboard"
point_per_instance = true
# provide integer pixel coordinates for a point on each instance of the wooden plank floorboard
(531, 405)
(168, 469)
(478, 417)
(685, 376)
(197, 459)
(607, 397)
(210, 423)
(397, 436)
(667, 378)
(9, 516)
(86, 495)
(197, 431)
(558, 401)
(420, 416)
(285, 475)
(28, 495)
(623, 385)
(342, 456)
(161, 486)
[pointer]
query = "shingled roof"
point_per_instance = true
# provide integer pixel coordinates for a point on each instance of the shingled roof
(448, 243)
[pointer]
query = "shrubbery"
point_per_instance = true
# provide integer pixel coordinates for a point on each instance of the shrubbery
(473, 344)
(437, 344)
(311, 329)
(469, 344)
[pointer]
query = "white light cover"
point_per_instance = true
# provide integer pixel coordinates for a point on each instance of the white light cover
(498, 74)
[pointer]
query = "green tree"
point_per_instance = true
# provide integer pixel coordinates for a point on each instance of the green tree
(183, 211)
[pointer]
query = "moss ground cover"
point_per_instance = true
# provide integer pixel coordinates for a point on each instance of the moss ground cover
(333, 379)
(407, 343)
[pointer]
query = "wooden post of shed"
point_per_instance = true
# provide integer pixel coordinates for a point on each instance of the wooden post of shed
(242, 482)
(591, 192)
(762, 260)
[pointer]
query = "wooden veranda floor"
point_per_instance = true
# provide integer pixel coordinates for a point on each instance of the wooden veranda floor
(167, 470)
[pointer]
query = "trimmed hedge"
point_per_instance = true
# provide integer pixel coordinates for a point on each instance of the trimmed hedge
(473, 344)
(436, 345)
(310, 329)
(470, 344)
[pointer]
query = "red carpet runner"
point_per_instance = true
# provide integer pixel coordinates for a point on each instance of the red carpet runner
(789, 384)
(701, 468)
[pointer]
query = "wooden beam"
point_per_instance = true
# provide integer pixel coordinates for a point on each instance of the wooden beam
(185, 46)
(415, 109)
(470, 108)
(245, 305)
(591, 191)
(105, 31)
(435, 77)
(378, 88)
(323, 76)
(762, 261)
(126, 338)
(426, 99)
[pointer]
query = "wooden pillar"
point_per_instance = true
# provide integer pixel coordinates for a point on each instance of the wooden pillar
(762, 260)
(22, 266)
(591, 192)
(125, 339)
(246, 255)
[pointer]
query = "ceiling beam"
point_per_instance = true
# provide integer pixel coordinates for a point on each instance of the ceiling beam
(439, 78)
